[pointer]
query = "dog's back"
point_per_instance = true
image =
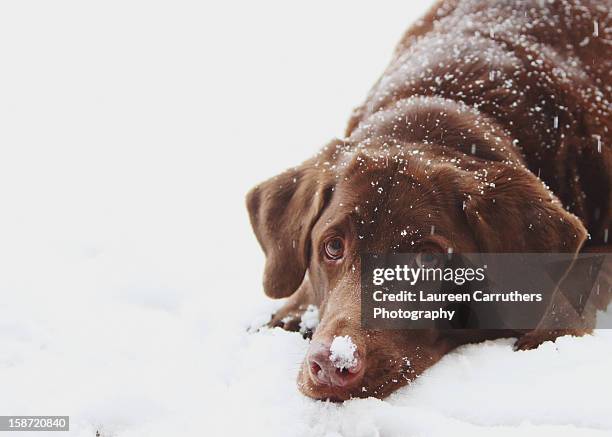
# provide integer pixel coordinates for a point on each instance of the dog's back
(538, 69)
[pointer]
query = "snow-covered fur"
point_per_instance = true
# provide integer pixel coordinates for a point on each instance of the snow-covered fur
(490, 126)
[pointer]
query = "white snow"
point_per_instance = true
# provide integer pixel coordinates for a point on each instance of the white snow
(129, 275)
(310, 319)
(342, 352)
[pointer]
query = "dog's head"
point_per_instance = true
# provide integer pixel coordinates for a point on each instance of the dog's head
(314, 221)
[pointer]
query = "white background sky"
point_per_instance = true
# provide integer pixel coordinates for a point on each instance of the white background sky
(134, 129)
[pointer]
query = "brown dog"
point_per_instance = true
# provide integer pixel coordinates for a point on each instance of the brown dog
(486, 110)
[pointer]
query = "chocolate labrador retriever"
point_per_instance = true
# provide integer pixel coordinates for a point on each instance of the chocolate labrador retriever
(490, 126)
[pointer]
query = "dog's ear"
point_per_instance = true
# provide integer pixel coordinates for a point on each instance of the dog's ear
(511, 210)
(283, 211)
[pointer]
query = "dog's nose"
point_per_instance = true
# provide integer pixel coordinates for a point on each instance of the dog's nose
(327, 368)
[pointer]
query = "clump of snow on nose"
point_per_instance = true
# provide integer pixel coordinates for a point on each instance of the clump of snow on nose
(310, 319)
(343, 352)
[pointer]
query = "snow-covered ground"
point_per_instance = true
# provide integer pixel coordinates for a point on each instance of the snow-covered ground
(129, 134)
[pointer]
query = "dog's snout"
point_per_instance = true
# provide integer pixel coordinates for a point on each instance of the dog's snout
(324, 371)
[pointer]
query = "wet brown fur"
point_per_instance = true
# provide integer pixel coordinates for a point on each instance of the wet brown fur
(484, 105)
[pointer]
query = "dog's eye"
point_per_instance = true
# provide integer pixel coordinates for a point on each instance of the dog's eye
(334, 248)
(428, 259)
